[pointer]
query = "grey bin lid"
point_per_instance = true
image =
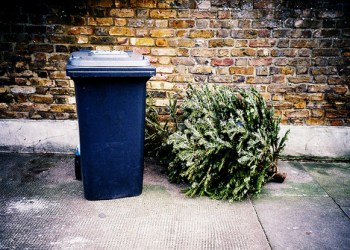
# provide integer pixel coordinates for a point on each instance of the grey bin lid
(111, 63)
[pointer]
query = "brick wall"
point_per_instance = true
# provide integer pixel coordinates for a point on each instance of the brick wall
(295, 52)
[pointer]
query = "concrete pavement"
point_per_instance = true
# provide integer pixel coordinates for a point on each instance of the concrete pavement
(42, 207)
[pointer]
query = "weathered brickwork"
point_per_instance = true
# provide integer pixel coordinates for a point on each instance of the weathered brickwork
(296, 53)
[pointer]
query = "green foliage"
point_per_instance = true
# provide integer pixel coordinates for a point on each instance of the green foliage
(226, 147)
(226, 144)
(156, 133)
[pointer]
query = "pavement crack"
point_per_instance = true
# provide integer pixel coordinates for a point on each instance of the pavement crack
(260, 223)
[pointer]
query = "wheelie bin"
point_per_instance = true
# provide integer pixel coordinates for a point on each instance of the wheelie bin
(110, 88)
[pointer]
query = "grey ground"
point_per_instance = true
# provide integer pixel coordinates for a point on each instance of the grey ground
(42, 207)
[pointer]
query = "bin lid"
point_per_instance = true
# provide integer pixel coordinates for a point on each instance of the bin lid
(108, 63)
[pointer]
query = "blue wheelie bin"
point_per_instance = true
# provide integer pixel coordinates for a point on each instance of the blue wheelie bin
(110, 88)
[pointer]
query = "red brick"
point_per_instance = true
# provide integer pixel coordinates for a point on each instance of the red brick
(222, 61)
(48, 48)
(326, 52)
(264, 4)
(339, 89)
(243, 52)
(22, 107)
(262, 43)
(260, 61)
(303, 43)
(224, 14)
(333, 113)
(300, 79)
(163, 52)
(183, 61)
(203, 52)
(297, 113)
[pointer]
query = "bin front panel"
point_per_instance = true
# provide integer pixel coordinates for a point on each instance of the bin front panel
(111, 118)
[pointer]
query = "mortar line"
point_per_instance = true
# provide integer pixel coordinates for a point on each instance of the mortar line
(260, 223)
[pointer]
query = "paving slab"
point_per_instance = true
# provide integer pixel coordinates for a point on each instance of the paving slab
(334, 179)
(42, 207)
(300, 213)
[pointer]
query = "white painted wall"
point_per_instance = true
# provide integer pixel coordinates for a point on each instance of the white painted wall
(46, 136)
(318, 141)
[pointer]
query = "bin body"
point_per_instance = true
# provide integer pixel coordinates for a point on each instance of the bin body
(111, 117)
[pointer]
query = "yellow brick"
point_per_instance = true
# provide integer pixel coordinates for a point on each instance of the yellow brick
(161, 42)
(155, 84)
(142, 41)
(92, 21)
(162, 14)
(161, 102)
(181, 78)
(122, 12)
(186, 43)
(122, 41)
(202, 70)
(80, 31)
(103, 47)
(101, 21)
(315, 121)
(300, 105)
(168, 85)
(317, 97)
(163, 52)
(266, 96)
(3, 90)
(161, 85)
(277, 97)
(201, 33)
(164, 60)
(120, 22)
(61, 108)
(143, 3)
(41, 98)
(162, 33)
(165, 69)
(287, 71)
(122, 31)
(82, 39)
(241, 70)
(100, 3)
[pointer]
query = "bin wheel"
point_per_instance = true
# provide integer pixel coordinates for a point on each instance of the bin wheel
(77, 168)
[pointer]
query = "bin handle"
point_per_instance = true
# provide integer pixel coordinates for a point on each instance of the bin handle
(109, 53)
